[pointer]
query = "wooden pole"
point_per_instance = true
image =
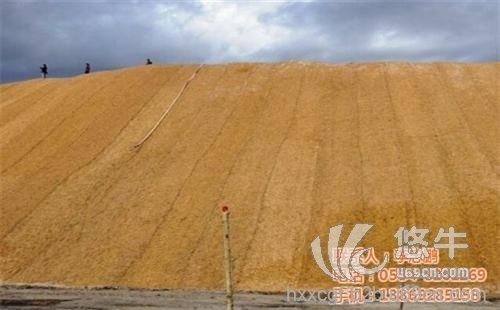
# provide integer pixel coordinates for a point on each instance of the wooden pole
(227, 259)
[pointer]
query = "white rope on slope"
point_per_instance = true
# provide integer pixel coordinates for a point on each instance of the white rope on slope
(150, 133)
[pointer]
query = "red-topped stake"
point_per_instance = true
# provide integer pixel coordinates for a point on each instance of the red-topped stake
(227, 258)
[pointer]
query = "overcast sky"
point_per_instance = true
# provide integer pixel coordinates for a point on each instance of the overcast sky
(111, 34)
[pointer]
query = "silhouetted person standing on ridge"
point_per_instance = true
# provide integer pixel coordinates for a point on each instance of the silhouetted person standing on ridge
(149, 62)
(44, 70)
(87, 68)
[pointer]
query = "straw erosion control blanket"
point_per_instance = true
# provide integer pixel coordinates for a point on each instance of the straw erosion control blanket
(293, 148)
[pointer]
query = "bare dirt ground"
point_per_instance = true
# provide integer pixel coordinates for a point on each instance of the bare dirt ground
(24, 298)
(293, 148)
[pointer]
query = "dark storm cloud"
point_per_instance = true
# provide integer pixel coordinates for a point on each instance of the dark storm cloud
(66, 34)
(109, 34)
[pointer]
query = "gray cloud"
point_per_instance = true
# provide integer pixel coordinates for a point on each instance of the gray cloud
(110, 34)
(423, 31)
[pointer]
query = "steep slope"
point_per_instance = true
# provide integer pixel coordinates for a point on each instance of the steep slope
(293, 148)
